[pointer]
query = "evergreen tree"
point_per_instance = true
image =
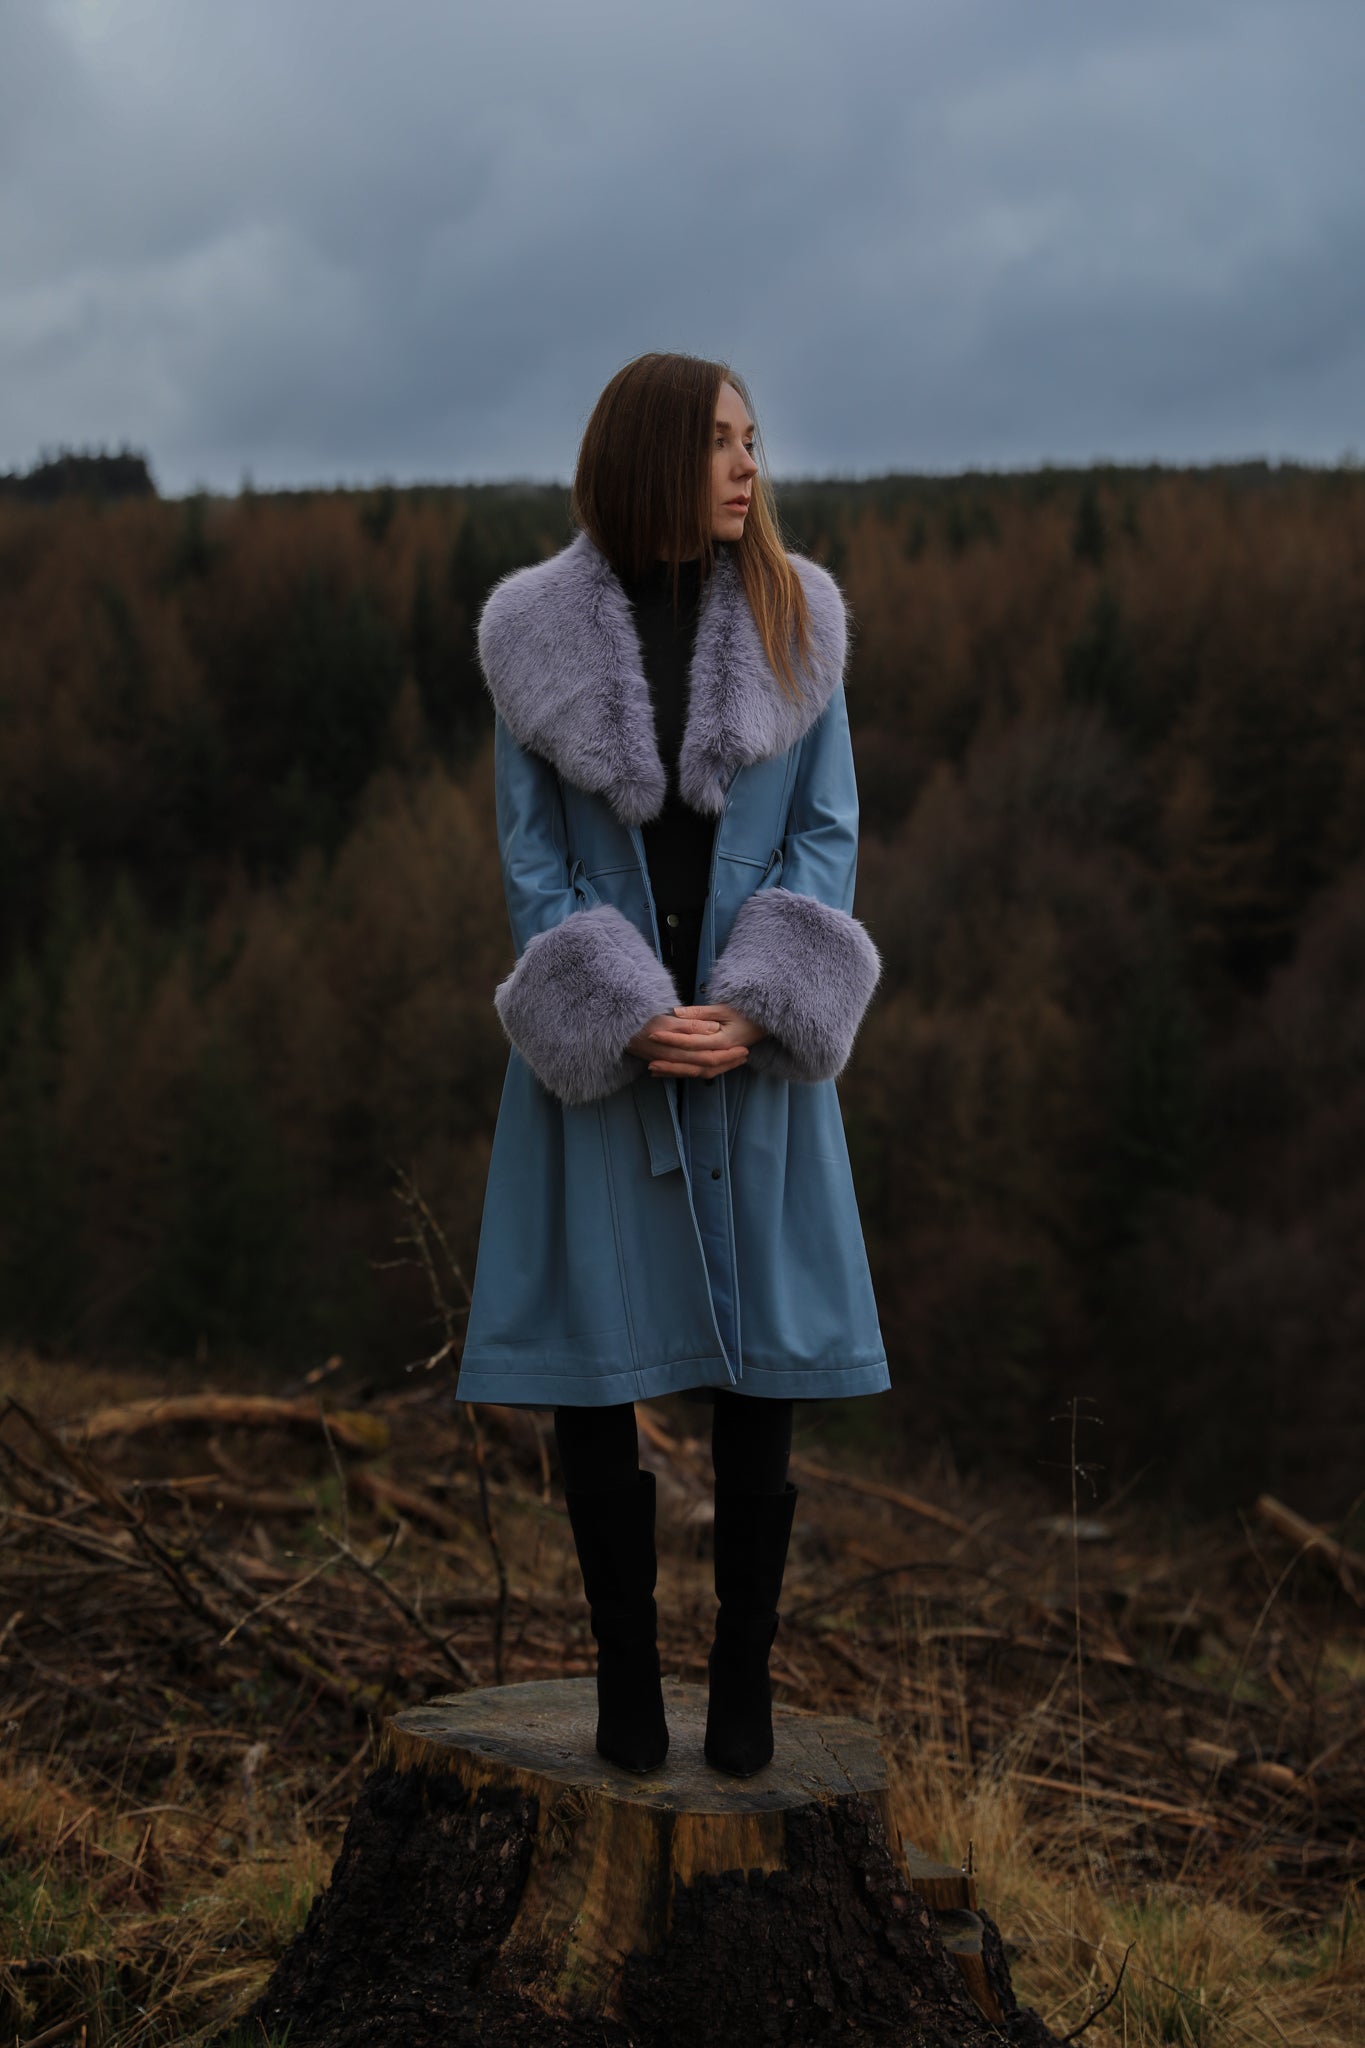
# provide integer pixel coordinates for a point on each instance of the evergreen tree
(1100, 667)
(40, 1260)
(337, 672)
(1089, 535)
(228, 1267)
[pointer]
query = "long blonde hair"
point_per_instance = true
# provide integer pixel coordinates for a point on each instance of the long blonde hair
(642, 491)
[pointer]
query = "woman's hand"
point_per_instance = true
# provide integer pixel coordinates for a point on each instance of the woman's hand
(697, 1040)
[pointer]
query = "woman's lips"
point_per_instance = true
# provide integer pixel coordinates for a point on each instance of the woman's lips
(736, 504)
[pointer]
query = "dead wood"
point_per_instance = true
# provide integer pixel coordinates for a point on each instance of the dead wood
(353, 1430)
(146, 1618)
(578, 1903)
(877, 1489)
(1349, 1565)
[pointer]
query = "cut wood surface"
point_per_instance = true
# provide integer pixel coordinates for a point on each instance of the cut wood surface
(503, 1882)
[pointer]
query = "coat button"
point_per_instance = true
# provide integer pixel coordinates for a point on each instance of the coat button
(672, 917)
(715, 1173)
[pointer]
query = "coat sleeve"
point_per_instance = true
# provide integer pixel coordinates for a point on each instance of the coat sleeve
(797, 961)
(585, 979)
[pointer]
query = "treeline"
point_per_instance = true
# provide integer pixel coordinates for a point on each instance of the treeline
(1105, 1113)
(80, 472)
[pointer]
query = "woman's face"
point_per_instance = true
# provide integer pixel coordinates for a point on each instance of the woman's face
(733, 467)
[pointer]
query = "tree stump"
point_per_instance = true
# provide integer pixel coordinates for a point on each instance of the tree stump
(500, 1882)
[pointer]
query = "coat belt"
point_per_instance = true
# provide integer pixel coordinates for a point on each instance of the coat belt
(656, 1118)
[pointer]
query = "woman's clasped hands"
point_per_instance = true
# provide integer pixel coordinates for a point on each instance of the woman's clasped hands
(696, 1040)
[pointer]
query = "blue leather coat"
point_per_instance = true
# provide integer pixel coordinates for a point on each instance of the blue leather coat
(641, 1234)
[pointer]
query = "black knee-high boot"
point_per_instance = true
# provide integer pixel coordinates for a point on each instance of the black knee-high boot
(752, 1533)
(613, 1531)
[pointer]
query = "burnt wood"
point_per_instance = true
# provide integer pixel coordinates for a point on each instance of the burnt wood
(500, 1882)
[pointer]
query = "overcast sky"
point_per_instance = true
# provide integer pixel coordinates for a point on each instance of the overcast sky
(320, 241)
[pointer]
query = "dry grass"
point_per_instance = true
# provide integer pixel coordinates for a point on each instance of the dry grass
(173, 1786)
(1199, 1968)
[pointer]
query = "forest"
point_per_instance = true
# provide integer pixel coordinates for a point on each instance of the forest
(1106, 1113)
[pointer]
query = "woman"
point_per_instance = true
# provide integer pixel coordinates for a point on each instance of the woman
(669, 1203)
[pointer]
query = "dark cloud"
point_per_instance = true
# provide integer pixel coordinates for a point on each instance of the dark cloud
(329, 241)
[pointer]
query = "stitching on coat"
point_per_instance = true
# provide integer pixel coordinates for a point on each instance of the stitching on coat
(616, 1233)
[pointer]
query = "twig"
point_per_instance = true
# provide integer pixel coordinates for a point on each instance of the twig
(319, 1798)
(42, 1477)
(82, 1540)
(1271, 1597)
(1334, 1750)
(1095, 2011)
(277, 1599)
(62, 2031)
(441, 1646)
(1076, 1608)
(341, 1476)
(226, 1493)
(425, 1229)
(835, 1594)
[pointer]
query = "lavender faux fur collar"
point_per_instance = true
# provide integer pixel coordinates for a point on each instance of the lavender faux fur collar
(561, 658)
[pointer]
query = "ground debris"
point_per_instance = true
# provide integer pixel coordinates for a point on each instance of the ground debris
(177, 1598)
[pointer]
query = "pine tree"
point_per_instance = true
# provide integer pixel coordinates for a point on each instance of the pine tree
(1089, 535)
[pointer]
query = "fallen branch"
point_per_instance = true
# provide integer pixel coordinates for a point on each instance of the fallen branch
(1349, 1565)
(1187, 1816)
(208, 1488)
(877, 1489)
(298, 1658)
(658, 1436)
(351, 1428)
(402, 1500)
(1216, 1756)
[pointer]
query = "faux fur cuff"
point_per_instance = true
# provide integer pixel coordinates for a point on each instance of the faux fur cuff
(576, 998)
(806, 973)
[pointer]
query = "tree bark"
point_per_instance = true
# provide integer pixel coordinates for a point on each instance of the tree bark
(500, 1882)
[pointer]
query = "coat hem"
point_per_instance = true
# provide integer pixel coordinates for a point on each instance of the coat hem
(517, 1388)
(815, 1383)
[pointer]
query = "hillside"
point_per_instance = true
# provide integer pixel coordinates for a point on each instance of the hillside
(1106, 1111)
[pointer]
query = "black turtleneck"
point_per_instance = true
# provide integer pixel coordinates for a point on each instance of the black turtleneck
(678, 842)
